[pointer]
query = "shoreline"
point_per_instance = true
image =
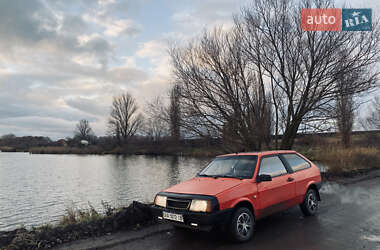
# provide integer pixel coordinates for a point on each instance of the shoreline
(79, 224)
(339, 162)
(344, 162)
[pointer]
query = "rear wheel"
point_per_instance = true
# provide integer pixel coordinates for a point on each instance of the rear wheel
(242, 225)
(310, 205)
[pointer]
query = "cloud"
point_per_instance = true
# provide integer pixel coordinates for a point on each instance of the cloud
(115, 27)
(64, 60)
(104, 15)
(126, 75)
(118, 27)
(152, 49)
(32, 24)
(72, 24)
(157, 52)
(35, 125)
(94, 106)
(55, 66)
(206, 14)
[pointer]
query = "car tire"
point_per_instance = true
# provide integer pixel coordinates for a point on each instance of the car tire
(310, 205)
(242, 225)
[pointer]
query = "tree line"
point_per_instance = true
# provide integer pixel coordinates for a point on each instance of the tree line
(260, 83)
(156, 122)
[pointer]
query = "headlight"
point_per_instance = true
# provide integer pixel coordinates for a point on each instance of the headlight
(160, 200)
(200, 206)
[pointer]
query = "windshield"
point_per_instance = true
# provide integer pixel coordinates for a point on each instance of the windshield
(241, 166)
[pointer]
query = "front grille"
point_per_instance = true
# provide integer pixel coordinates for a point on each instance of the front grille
(176, 203)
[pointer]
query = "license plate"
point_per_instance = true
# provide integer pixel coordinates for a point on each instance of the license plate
(171, 216)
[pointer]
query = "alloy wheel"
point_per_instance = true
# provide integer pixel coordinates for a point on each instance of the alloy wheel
(312, 202)
(244, 224)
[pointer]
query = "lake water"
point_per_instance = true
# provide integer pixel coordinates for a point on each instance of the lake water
(36, 189)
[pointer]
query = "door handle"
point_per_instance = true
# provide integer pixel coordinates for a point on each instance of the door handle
(290, 179)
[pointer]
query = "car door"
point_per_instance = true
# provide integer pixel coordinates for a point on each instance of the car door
(298, 166)
(279, 193)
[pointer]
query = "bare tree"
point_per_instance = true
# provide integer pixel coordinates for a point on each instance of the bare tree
(220, 95)
(372, 121)
(345, 106)
(124, 119)
(345, 118)
(174, 112)
(155, 122)
(83, 130)
(302, 66)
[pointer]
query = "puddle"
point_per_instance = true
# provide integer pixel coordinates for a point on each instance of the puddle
(356, 195)
(373, 238)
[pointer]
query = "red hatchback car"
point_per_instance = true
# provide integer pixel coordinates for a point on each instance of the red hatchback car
(235, 190)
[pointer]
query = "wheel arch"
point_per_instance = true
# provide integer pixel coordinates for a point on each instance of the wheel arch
(244, 203)
(314, 186)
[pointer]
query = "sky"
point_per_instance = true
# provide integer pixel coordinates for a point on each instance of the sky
(63, 60)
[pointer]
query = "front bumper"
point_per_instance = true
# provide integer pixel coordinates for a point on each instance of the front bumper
(195, 220)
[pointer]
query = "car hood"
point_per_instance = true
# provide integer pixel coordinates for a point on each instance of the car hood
(204, 186)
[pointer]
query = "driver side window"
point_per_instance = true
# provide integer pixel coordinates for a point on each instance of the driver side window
(272, 166)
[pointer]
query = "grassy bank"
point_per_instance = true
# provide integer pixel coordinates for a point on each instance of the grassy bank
(133, 150)
(66, 150)
(78, 224)
(11, 149)
(339, 160)
(363, 155)
(345, 162)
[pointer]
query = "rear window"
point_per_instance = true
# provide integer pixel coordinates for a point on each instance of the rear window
(296, 162)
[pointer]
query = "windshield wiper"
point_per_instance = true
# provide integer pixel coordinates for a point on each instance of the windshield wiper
(206, 175)
(220, 176)
(229, 176)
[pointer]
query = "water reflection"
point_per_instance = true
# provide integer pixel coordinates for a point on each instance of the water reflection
(36, 189)
(174, 171)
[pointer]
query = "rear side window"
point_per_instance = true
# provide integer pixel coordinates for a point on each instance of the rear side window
(296, 162)
(272, 166)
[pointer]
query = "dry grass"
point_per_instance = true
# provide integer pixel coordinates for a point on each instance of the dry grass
(7, 149)
(343, 160)
(78, 224)
(90, 214)
(65, 150)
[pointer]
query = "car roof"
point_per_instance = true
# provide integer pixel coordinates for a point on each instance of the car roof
(262, 153)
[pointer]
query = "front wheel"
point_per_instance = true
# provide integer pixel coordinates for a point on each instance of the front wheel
(242, 225)
(310, 205)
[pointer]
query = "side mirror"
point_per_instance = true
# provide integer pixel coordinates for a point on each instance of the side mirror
(264, 177)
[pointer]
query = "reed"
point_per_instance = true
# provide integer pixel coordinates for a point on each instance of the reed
(344, 160)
